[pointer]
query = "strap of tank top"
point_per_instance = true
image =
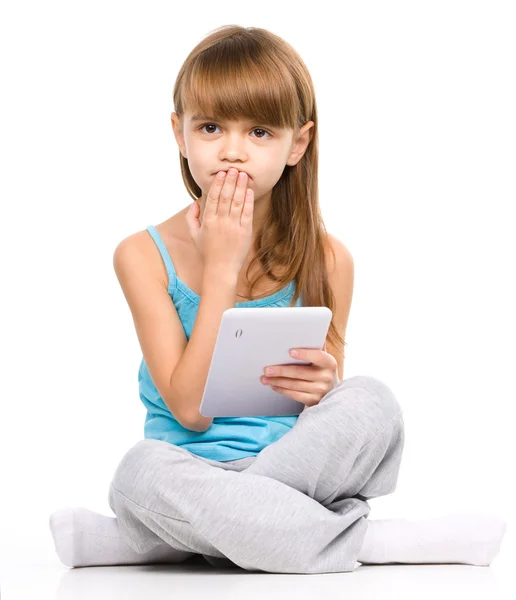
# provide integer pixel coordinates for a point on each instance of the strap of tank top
(169, 265)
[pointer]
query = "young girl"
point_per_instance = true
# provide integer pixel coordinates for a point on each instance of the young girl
(275, 494)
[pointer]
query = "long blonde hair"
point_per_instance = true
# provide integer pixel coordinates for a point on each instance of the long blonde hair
(248, 72)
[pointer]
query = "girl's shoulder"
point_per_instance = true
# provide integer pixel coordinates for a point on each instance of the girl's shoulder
(173, 233)
(142, 243)
(337, 252)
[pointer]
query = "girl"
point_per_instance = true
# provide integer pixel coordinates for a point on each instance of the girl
(275, 494)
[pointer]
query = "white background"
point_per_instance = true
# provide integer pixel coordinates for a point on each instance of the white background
(417, 177)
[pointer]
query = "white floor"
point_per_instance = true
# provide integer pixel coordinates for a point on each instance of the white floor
(33, 571)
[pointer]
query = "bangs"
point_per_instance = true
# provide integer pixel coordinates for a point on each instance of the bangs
(229, 86)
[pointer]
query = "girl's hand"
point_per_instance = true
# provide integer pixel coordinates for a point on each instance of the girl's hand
(307, 384)
(223, 239)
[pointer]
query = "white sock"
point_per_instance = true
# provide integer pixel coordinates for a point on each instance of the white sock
(465, 539)
(84, 538)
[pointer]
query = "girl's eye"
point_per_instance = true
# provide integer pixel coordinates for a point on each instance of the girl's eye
(213, 125)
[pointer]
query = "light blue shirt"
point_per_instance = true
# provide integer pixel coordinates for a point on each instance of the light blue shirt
(228, 438)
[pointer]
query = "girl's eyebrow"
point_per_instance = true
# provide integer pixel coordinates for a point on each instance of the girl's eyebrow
(202, 118)
(207, 118)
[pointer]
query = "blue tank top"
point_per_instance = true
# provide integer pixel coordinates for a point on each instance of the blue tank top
(228, 438)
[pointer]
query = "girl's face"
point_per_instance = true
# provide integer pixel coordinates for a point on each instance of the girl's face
(260, 151)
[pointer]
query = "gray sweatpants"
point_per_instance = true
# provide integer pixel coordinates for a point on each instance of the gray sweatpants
(299, 506)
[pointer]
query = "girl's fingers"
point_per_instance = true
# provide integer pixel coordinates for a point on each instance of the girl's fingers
(228, 189)
(239, 196)
(212, 199)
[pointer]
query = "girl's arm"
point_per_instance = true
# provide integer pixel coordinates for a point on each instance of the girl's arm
(190, 375)
(143, 279)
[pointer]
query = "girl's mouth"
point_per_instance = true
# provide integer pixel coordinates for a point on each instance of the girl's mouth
(226, 170)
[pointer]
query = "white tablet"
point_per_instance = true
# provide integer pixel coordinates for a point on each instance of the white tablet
(250, 339)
